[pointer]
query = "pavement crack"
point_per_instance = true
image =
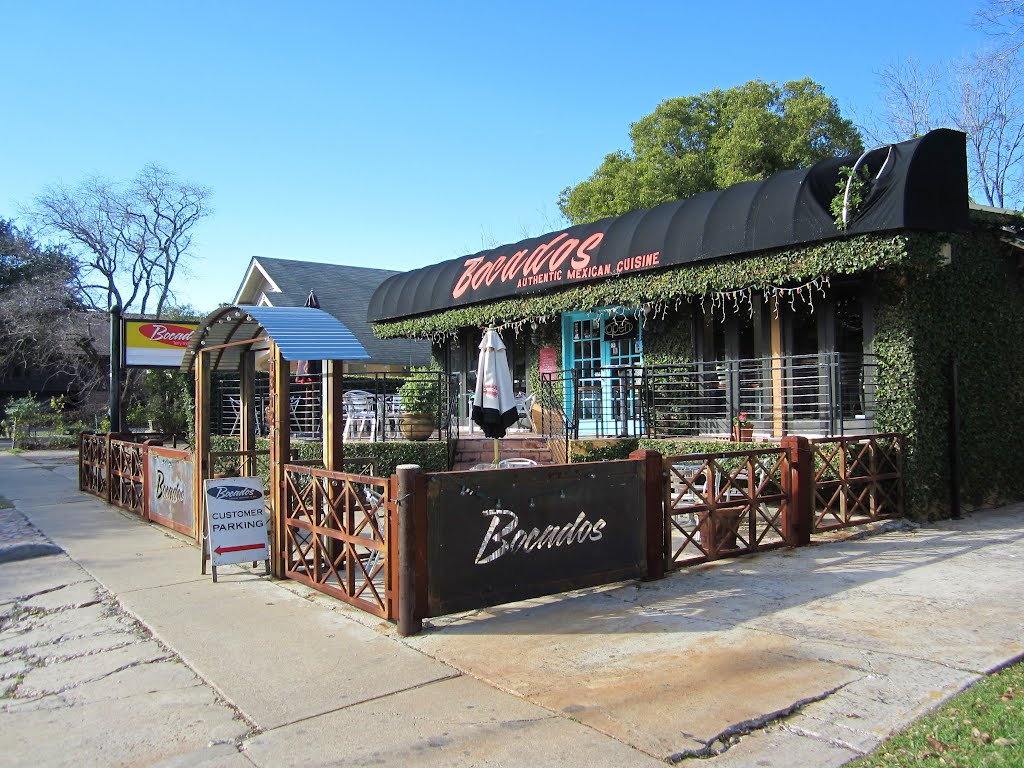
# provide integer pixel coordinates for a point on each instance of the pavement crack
(97, 678)
(818, 737)
(731, 736)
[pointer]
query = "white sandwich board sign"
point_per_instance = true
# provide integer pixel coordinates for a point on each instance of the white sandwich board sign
(236, 520)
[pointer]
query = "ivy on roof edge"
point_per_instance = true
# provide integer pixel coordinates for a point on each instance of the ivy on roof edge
(661, 291)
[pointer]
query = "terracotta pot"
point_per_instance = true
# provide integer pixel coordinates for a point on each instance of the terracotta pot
(416, 426)
(742, 434)
(718, 529)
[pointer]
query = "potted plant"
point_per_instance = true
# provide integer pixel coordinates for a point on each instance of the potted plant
(420, 401)
(742, 428)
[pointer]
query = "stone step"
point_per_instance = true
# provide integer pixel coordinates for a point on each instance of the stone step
(473, 451)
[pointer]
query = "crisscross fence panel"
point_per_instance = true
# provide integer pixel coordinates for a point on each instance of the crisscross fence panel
(339, 533)
(726, 504)
(92, 464)
(127, 475)
(857, 480)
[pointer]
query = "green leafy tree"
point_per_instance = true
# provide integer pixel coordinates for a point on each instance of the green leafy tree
(24, 415)
(710, 141)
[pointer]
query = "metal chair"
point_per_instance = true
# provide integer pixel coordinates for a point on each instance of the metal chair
(516, 462)
(524, 404)
(360, 413)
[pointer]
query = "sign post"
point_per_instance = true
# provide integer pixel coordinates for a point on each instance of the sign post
(236, 521)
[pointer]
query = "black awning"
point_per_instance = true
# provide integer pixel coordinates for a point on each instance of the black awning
(921, 184)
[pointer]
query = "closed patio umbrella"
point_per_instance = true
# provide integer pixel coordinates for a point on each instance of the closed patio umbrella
(494, 405)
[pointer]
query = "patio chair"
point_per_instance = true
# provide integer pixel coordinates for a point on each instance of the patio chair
(516, 462)
(524, 405)
(360, 414)
(392, 415)
(696, 490)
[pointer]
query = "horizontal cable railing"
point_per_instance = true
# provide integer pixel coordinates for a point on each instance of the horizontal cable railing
(374, 405)
(806, 394)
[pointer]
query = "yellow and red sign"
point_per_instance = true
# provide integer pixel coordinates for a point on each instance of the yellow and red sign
(156, 343)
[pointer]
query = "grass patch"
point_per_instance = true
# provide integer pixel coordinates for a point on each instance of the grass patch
(983, 726)
(5, 503)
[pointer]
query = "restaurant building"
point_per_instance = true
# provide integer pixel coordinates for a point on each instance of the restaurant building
(815, 302)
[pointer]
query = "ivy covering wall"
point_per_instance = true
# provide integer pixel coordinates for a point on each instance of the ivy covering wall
(930, 313)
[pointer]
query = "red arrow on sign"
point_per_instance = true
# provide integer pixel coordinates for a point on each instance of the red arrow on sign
(242, 548)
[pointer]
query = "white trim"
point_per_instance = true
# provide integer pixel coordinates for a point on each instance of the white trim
(246, 291)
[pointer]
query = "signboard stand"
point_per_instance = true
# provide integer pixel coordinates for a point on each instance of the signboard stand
(235, 523)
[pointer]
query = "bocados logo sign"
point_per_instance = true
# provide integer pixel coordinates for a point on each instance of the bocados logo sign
(156, 344)
(233, 493)
(172, 335)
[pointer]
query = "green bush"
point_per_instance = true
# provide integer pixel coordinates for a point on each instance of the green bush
(432, 456)
(24, 416)
(421, 392)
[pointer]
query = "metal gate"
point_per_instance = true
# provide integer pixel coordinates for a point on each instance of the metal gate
(339, 531)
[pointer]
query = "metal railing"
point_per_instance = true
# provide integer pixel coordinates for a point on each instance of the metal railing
(814, 395)
(823, 395)
(555, 424)
(373, 405)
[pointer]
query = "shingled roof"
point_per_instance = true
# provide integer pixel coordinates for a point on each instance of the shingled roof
(343, 291)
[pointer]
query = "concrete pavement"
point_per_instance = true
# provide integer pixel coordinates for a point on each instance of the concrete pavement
(807, 657)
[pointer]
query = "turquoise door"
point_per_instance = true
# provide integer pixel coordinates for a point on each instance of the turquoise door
(597, 347)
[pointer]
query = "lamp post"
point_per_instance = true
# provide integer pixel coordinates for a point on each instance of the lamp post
(115, 366)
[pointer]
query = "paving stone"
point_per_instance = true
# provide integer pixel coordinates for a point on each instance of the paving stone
(75, 595)
(61, 675)
(150, 727)
(80, 646)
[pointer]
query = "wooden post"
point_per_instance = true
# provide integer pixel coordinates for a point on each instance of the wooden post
(247, 416)
(333, 416)
(408, 622)
(654, 512)
(798, 485)
(280, 454)
(81, 461)
(106, 463)
(778, 388)
(201, 454)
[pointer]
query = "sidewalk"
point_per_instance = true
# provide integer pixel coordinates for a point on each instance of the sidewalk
(806, 657)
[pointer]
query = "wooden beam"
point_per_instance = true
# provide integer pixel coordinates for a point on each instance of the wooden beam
(247, 414)
(333, 416)
(778, 388)
(280, 454)
(201, 454)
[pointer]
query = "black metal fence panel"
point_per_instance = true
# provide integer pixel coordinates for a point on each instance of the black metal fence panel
(503, 535)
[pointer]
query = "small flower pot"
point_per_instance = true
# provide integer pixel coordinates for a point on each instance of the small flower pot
(741, 433)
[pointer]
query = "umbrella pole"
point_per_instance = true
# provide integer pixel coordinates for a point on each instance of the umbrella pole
(495, 451)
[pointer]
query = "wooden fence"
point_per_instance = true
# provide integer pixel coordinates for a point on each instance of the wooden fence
(416, 545)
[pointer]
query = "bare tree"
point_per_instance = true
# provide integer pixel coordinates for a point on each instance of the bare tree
(990, 110)
(132, 239)
(44, 334)
(984, 98)
(912, 106)
(1004, 19)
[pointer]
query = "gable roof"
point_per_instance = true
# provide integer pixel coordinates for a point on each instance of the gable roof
(343, 291)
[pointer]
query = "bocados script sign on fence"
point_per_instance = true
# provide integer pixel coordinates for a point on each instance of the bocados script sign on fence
(170, 488)
(509, 534)
(236, 520)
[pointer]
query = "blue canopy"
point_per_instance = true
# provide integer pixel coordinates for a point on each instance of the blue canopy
(301, 333)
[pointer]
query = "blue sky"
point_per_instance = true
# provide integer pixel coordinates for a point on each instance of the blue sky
(397, 135)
